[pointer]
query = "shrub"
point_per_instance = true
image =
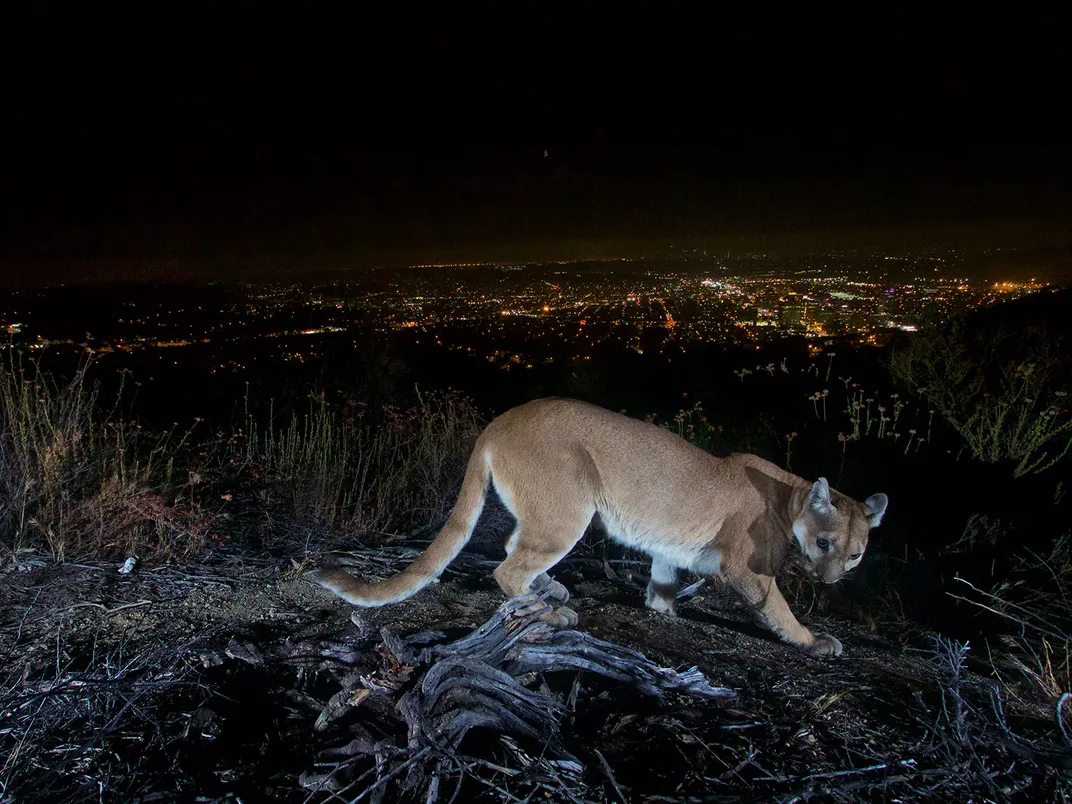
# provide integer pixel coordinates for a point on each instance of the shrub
(1001, 391)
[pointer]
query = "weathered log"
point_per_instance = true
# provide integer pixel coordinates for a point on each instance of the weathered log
(479, 681)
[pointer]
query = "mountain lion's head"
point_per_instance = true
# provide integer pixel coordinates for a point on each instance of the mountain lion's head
(831, 531)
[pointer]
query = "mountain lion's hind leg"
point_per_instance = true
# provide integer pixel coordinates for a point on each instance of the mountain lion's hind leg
(662, 588)
(534, 549)
(555, 590)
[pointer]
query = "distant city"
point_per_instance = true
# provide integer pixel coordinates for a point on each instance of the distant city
(518, 316)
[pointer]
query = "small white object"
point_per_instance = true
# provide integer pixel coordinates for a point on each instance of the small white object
(128, 565)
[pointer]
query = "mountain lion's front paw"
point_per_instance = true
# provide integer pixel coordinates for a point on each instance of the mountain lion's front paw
(824, 645)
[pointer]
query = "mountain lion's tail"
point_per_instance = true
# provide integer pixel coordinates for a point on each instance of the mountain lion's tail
(431, 563)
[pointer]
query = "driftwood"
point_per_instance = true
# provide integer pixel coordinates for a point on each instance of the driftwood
(483, 681)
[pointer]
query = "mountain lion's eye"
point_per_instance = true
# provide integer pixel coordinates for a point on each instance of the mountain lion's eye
(823, 544)
(855, 556)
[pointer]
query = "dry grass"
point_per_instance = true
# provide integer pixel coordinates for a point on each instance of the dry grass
(81, 478)
(367, 473)
(1034, 657)
(1045, 664)
(59, 724)
(1040, 597)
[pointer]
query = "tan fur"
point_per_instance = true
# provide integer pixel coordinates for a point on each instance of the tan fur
(555, 463)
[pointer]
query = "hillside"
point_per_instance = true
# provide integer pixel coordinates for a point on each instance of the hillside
(178, 680)
(214, 669)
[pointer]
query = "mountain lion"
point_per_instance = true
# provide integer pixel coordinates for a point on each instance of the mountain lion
(555, 463)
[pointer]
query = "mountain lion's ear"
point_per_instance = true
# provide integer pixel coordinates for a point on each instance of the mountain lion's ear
(819, 497)
(875, 508)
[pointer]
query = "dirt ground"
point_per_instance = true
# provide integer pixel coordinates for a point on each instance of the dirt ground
(139, 687)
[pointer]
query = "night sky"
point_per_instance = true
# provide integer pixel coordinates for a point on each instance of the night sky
(165, 148)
